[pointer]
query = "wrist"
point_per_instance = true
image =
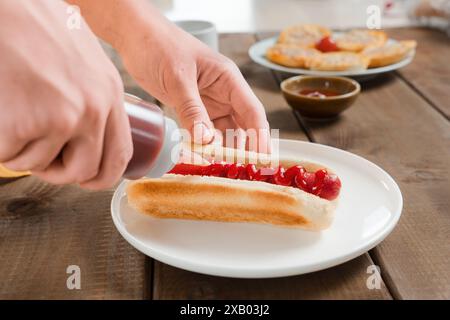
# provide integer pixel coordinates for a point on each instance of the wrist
(143, 31)
(120, 22)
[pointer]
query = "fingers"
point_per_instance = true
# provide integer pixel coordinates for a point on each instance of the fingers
(187, 156)
(258, 140)
(235, 137)
(79, 162)
(80, 157)
(193, 115)
(249, 113)
(117, 151)
(36, 155)
(218, 137)
(96, 160)
(9, 146)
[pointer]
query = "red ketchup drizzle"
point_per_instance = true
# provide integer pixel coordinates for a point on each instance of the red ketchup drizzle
(319, 183)
(326, 44)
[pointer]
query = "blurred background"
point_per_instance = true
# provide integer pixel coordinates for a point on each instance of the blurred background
(263, 15)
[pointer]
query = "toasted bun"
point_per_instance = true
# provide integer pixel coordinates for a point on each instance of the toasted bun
(228, 200)
(219, 153)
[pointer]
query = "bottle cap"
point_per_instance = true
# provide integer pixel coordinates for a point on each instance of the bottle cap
(170, 151)
(156, 140)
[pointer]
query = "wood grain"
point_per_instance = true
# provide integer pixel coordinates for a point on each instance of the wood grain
(399, 123)
(429, 73)
(394, 127)
(44, 229)
(347, 281)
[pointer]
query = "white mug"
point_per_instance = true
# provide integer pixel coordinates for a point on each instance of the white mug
(204, 31)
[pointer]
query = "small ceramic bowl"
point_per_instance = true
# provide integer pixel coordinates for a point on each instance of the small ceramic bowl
(204, 31)
(320, 97)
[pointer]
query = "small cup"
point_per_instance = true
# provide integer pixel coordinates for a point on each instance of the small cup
(204, 31)
(345, 92)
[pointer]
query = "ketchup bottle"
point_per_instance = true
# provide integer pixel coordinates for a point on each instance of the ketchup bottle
(156, 140)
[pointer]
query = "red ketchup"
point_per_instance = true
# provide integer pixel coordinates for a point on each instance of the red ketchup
(155, 139)
(320, 183)
(319, 93)
(326, 44)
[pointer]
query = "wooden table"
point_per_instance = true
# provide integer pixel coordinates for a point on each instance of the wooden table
(400, 121)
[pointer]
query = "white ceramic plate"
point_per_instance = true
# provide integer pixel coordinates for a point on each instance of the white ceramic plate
(369, 207)
(257, 53)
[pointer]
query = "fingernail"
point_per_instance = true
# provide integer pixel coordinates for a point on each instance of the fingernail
(202, 134)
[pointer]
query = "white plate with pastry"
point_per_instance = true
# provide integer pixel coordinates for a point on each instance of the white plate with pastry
(360, 53)
(369, 207)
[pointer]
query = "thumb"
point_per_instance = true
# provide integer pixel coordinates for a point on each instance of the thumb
(193, 115)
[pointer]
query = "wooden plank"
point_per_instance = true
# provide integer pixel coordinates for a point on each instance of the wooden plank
(44, 229)
(347, 281)
(394, 127)
(429, 73)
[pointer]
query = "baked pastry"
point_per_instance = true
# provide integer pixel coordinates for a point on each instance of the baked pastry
(306, 35)
(311, 46)
(357, 40)
(290, 55)
(388, 53)
(338, 61)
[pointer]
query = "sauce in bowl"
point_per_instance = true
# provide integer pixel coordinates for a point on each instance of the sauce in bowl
(319, 93)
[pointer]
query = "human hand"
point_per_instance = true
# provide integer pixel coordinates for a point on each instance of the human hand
(206, 89)
(61, 106)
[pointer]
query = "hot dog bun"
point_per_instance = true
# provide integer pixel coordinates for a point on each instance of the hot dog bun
(218, 153)
(227, 200)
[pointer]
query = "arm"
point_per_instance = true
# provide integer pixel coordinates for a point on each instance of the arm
(205, 88)
(116, 20)
(61, 104)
